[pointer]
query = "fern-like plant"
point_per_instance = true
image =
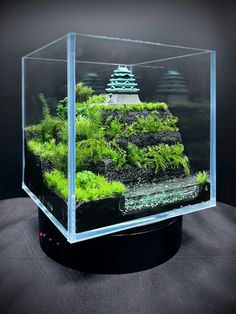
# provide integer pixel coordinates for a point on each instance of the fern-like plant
(202, 177)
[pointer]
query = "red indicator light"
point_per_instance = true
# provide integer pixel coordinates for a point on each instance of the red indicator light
(41, 234)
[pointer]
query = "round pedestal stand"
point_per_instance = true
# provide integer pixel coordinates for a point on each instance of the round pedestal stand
(124, 252)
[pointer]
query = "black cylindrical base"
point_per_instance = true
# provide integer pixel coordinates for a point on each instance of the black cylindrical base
(124, 252)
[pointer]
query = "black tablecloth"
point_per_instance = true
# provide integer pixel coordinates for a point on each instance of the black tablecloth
(200, 278)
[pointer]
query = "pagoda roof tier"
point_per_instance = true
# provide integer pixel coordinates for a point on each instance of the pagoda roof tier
(122, 89)
(122, 84)
(122, 81)
(122, 74)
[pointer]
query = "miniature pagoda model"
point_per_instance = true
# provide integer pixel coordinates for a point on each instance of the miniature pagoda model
(122, 87)
(94, 81)
(172, 88)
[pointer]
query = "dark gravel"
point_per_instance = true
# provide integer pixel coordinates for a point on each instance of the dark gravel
(131, 116)
(150, 139)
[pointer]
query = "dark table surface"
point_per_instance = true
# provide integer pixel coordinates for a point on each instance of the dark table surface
(200, 278)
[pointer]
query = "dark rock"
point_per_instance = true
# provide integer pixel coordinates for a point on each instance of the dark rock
(131, 116)
(150, 139)
(46, 165)
(99, 213)
(134, 175)
(31, 136)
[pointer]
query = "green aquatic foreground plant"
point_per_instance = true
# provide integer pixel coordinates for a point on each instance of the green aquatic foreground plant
(89, 186)
(137, 107)
(202, 177)
(161, 157)
(92, 151)
(151, 124)
(55, 153)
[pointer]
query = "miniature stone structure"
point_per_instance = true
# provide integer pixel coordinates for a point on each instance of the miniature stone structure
(94, 81)
(122, 87)
(172, 88)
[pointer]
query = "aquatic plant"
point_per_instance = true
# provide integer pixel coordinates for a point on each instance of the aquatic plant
(55, 153)
(34, 129)
(88, 125)
(96, 137)
(168, 156)
(150, 124)
(96, 99)
(56, 181)
(82, 92)
(202, 177)
(136, 107)
(89, 186)
(84, 129)
(92, 151)
(62, 108)
(113, 128)
(84, 97)
(160, 156)
(51, 127)
(136, 156)
(45, 105)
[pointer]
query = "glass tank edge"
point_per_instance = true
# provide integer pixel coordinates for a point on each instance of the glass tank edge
(47, 45)
(45, 210)
(91, 234)
(139, 41)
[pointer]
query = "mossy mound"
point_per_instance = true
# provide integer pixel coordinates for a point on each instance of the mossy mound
(117, 147)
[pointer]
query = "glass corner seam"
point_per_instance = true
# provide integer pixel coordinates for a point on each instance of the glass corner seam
(71, 133)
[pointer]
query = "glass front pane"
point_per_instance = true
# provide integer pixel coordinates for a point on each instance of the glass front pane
(44, 131)
(142, 132)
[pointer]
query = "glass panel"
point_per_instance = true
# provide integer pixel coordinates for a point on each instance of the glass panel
(142, 133)
(44, 131)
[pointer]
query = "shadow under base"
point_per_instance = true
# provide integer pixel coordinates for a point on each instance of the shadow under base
(124, 252)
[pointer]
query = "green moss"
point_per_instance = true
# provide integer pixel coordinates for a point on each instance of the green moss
(88, 152)
(46, 112)
(51, 128)
(89, 122)
(113, 127)
(151, 123)
(161, 157)
(202, 177)
(89, 186)
(62, 108)
(34, 129)
(84, 98)
(83, 93)
(95, 138)
(96, 99)
(138, 107)
(92, 151)
(88, 125)
(137, 156)
(55, 153)
(57, 182)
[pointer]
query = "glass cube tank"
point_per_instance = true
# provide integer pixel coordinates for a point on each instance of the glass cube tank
(117, 133)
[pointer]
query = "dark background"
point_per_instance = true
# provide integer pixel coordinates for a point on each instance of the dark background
(28, 25)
